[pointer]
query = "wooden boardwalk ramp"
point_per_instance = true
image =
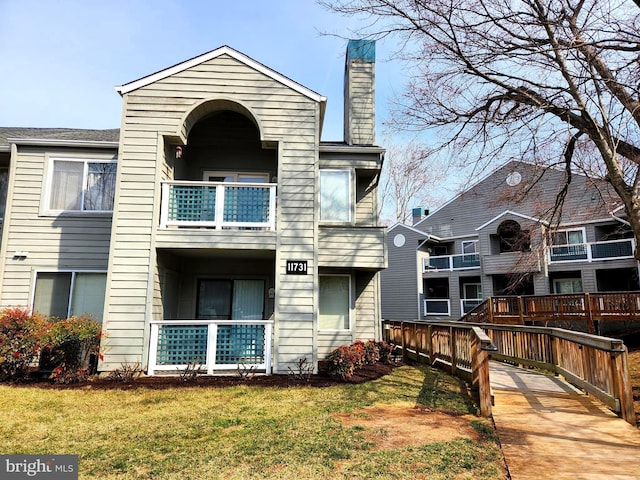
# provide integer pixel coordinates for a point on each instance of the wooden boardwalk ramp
(550, 430)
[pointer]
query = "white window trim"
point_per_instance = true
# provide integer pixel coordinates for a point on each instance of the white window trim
(464, 242)
(225, 173)
(47, 210)
(556, 281)
(352, 200)
(350, 303)
(567, 230)
(464, 292)
(72, 283)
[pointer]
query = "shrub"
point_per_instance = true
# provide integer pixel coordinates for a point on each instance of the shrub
(346, 359)
(71, 343)
(20, 340)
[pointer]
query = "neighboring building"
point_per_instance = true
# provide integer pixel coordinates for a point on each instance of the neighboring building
(496, 239)
(214, 226)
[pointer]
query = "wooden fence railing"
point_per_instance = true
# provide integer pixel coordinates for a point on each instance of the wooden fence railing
(597, 365)
(460, 348)
(579, 307)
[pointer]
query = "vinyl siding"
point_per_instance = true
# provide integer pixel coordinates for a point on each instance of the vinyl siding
(400, 280)
(286, 117)
(61, 242)
(352, 247)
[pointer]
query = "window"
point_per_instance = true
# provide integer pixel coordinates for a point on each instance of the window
(66, 294)
(469, 247)
(568, 237)
(82, 185)
(335, 302)
(230, 299)
(567, 285)
(335, 195)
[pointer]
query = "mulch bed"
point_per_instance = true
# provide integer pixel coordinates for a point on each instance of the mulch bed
(364, 374)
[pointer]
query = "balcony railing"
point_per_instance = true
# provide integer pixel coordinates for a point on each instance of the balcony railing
(587, 252)
(210, 345)
(451, 262)
(218, 205)
(468, 304)
(437, 306)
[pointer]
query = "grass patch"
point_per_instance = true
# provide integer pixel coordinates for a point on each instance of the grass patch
(240, 431)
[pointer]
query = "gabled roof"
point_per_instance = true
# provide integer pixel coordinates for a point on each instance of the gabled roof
(56, 135)
(524, 189)
(415, 230)
(509, 212)
(224, 50)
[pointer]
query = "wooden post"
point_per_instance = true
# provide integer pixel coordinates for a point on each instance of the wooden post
(490, 309)
(622, 384)
(432, 357)
(404, 345)
(520, 310)
(480, 369)
(587, 305)
(452, 347)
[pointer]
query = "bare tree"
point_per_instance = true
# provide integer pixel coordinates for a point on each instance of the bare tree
(550, 81)
(410, 178)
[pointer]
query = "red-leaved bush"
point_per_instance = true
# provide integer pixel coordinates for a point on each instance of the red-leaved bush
(346, 359)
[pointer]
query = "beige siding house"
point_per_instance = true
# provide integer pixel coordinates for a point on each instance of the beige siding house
(498, 238)
(214, 227)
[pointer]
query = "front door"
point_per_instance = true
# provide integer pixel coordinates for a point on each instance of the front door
(226, 299)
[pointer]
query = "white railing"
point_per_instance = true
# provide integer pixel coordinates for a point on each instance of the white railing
(468, 304)
(589, 252)
(218, 205)
(210, 345)
(465, 261)
(437, 306)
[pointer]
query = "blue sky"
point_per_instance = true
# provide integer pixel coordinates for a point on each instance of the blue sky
(63, 58)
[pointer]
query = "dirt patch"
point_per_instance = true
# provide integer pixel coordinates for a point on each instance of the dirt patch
(402, 425)
(365, 374)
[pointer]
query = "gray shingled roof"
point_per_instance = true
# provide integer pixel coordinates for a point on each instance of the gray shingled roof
(77, 134)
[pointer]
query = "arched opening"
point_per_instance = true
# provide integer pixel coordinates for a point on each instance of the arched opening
(512, 238)
(226, 146)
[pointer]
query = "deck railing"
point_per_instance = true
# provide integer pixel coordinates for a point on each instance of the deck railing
(210, 345)
(577, 307)
(597, 365)
(218, 205)
(591, 251)
(451, 262)
(460, 348)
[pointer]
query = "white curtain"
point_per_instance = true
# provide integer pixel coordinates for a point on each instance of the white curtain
(335, 195)
(88, 294)
(334, 303)
(66, 187)
(248, 300)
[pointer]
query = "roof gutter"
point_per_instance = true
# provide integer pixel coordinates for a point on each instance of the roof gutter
(46, 142)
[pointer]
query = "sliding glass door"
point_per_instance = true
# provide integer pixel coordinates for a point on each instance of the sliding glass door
(226, 299)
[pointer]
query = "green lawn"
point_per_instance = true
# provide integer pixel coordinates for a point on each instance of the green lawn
(242, 432)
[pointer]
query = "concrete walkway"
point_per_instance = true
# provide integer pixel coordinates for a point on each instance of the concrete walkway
(550, 430)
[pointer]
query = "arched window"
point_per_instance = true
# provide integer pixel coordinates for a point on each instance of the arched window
(512, 237)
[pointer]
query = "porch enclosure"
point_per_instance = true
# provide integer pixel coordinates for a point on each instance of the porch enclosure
(213, 311)
(597, 365)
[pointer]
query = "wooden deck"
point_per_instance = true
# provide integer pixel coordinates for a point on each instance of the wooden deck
(550, 430)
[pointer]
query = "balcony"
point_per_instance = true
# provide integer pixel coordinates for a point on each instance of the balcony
(588, 252)
(218, 205)
(465, 261)
(214, 346)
